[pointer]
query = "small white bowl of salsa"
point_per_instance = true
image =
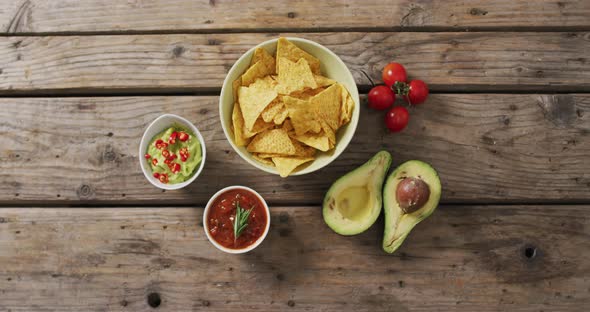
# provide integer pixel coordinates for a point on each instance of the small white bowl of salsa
(219, 219)
(172, 152)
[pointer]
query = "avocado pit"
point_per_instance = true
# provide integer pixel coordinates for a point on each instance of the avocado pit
(411, 194)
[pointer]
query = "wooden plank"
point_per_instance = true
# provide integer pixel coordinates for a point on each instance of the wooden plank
(199, 62)
(42, 16)
(463, 258)
(487, 148)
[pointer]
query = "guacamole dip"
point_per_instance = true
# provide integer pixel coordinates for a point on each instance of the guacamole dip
(174, 154)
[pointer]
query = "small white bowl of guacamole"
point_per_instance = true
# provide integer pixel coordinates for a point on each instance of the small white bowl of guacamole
(172, 152)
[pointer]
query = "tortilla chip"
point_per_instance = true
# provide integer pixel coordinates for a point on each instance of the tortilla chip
(303, 150)
(307, 93)
(288, 126)
(259, 126)
(269, 113)
(286, 165)
(328, 104)
(261, 65)
(318, 141)
(258, 70)
(293, 53)
(300, 151)
(347, 107)
(267, 156)
(264, 161)
(238, 125)
(253, 101)
(294, 76)
(329, 133)
(281, 115)
(261, 55)
(266, 83)
(304, 116)
(235, 86)
(322, 81)
(275, 141)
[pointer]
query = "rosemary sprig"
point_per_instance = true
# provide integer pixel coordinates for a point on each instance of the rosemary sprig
(240, 220)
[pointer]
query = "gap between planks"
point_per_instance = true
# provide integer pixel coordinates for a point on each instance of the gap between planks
(363, 90)
(99, 204)
(425, 29)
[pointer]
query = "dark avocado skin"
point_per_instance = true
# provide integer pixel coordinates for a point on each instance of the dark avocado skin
(399, 222)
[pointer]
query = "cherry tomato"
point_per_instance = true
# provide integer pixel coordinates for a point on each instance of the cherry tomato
(167, 161)
(392, 73)
(172, 157)
(155, 161)
(165, 153)
(163, 178)
(418, 92)
(397, 118)
(175, 167)
(156, 175)
(183, 136)
(172, 138)
(183, 158)
(381, 97)
(148, 156)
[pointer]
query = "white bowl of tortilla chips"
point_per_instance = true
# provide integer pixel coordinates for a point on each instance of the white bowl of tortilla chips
(289, 106)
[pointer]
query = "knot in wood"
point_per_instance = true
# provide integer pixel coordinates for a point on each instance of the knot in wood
(284, 217)
(84, 191)
(109, 155)
(154, 300)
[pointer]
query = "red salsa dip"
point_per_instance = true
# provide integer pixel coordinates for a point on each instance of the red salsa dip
(221, 214)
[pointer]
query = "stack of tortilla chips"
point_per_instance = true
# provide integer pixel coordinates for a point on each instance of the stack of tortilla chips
(285, 110)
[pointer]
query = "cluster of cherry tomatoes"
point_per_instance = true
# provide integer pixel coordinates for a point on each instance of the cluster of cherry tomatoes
(383, 96)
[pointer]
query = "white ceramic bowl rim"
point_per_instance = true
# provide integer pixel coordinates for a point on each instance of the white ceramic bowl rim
(343, 141)
(143, 146)
(229, 250)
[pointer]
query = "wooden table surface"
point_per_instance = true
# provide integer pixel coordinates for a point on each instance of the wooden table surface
(507, 126)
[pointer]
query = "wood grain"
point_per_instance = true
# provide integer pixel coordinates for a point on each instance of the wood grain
(199, 62)
(487, 149)
(463, 258)
(73, 16)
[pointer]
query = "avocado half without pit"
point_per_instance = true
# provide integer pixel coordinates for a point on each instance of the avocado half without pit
(411, 194)
(353, 203)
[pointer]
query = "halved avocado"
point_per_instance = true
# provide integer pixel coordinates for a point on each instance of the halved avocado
(354, 201)
(411, 194)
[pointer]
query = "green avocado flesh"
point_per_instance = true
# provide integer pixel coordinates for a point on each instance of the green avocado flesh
(354, 201)
(398, 224)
